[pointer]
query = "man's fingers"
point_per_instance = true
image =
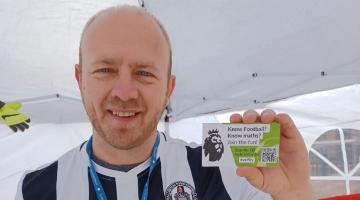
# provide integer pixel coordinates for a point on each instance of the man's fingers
(253, 175)
(288, 128)
(267, 116)
(235, 118)
(251, 116)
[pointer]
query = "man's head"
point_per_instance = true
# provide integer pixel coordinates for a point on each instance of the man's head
(124, 74)
(118, 9)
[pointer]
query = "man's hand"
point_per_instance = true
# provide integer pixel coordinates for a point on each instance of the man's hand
(10, 116)
(291, 179)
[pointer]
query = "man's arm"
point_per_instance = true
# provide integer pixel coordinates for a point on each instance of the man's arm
(291, 179)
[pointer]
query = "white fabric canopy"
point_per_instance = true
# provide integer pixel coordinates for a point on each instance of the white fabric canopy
(237, 54)
(227, 55)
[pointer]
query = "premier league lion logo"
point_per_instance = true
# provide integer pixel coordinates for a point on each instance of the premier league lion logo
(213, 146)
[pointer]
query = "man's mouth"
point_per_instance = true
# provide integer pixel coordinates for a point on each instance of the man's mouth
(124, 114)
(127, 115)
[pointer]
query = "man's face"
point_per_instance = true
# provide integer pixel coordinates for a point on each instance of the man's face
(124, 79)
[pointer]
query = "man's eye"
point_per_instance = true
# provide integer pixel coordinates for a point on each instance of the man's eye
(103, 70)
(143, 73)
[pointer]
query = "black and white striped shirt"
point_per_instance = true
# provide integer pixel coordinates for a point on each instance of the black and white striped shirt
(178, 166)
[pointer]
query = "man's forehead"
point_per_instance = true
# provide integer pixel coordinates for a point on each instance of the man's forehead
(128, 32)
(125, 25)
(122, 18)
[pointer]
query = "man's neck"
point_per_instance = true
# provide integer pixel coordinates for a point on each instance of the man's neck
(122, 168)
(106, 152)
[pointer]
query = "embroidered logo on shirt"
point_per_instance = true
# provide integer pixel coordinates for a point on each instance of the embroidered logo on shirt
(180, 190)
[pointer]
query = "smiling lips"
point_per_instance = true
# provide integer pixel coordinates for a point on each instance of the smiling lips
(123, 114)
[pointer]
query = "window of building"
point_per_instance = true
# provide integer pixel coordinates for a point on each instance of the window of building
(335, 163)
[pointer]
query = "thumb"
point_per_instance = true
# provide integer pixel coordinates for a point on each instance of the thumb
(253, 175)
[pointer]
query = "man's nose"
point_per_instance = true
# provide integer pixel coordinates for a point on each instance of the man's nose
(124, 88)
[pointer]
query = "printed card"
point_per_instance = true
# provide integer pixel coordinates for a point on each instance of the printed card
(252, 145)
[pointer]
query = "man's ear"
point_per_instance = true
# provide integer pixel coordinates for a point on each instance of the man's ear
(170, 87)
(78, 74)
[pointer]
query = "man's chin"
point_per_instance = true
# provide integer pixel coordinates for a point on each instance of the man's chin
(123, 133)
(122, 145)
(122, 142)
(121, 128)
(122, 138)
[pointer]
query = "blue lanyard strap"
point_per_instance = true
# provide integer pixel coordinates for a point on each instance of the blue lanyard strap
(153, 159)
(99, 190)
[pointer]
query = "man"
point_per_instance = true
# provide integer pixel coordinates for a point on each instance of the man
(124, 75)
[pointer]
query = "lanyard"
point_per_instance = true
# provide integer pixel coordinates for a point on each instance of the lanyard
(100, 193)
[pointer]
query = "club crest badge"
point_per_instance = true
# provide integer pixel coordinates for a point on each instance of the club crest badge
(180, 190)
(213, 146)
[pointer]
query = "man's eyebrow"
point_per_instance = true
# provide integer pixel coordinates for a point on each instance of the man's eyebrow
(144, 65)
(107, 61)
